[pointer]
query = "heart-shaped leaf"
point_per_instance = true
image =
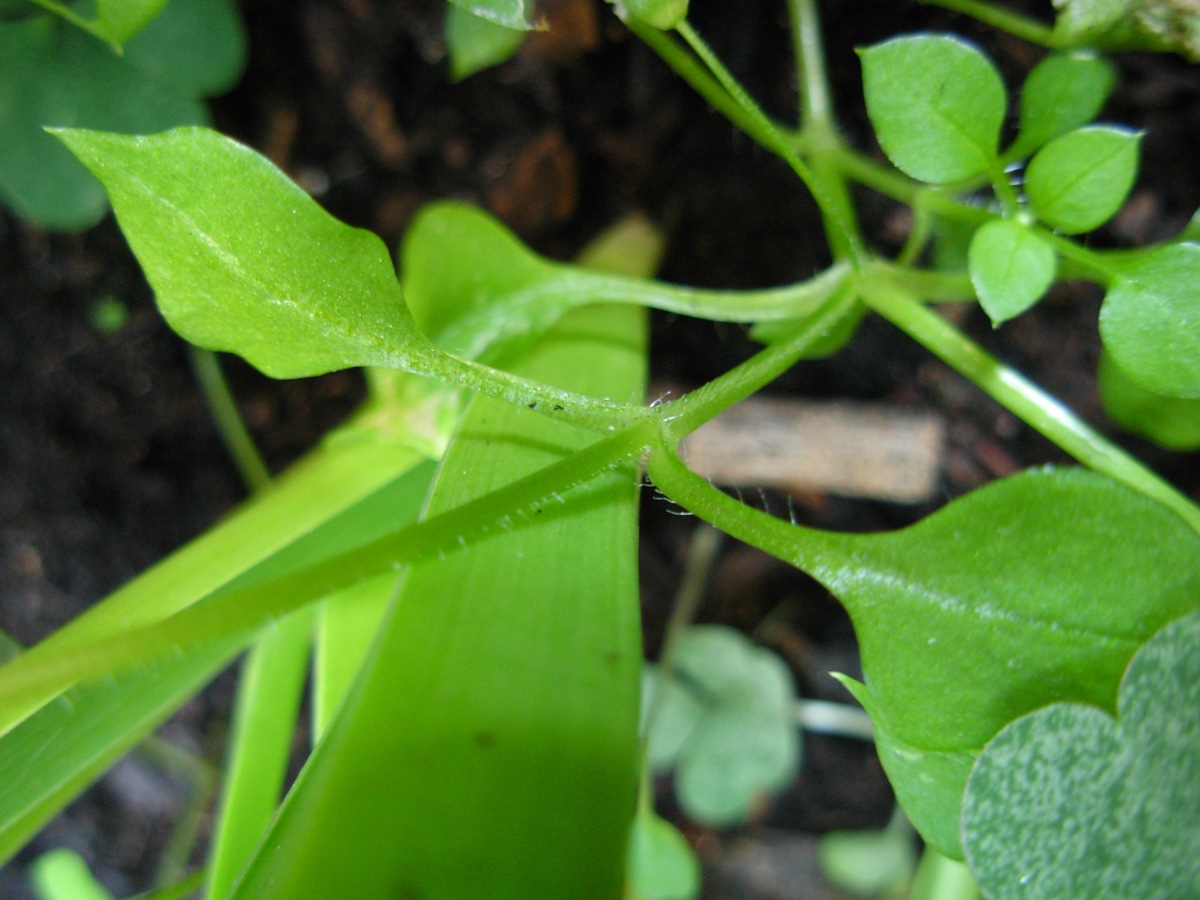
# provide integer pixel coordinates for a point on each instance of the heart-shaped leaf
(725, 720)
(937, 105)
(276, 280)
(1150, 321)
(1077, 182)
(1067, 802)
(1064, 91)
(1011, 268)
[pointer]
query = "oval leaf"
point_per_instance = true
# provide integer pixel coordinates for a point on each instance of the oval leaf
(1011, 268)
(1064, 91)
(1078, 181)
(243, 260)
(1150, 321)
(937, 105)
(1034, 589)
(1067, 802)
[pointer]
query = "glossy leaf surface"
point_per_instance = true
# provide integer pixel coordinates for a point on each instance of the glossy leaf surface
(1067, 802)
(1150, 321)
(1077, 182)
(937, 105)
(1064, 91)
(724, 722)
(278, 281)
(1011, 268)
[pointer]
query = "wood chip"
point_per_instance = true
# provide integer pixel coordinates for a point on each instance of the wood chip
(869, 450)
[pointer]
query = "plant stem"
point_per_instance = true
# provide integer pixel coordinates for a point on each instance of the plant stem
(998, 17)
(1017, 394)
(229, 422)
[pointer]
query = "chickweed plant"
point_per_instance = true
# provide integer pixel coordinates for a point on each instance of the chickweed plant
(460, 559)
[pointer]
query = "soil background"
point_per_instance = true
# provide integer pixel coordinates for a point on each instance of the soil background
(109, 460)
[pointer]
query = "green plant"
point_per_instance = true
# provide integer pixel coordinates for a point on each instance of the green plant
(118, 65)
(499, 761)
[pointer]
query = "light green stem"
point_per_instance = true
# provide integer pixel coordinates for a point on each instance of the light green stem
(230, 424)
(999, 17)
(1017, 394)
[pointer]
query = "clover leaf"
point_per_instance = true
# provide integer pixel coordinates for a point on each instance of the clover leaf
(724, 719)
(937, 105)
(1067, 802)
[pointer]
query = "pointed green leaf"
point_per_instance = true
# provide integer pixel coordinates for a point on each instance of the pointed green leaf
(1078, 181)
(275, 278)
(1150, 321)
(1171, 422)
(509, 13)
(937, 105)
(1067, 802)
(1011, 268)
(475, 43)
(120, 20)
(1064, 91)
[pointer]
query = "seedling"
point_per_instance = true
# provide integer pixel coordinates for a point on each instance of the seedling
(478, 668)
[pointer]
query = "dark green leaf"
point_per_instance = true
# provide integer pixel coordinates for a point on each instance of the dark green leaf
(1064, 91)
(937, 105)
(475, 43)
(275, 279)
(1171, 422)
(1067, 802)
(1150, 321)
(1078, 181)
(1011, 268)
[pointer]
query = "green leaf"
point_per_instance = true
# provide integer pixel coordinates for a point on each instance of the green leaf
(726, 720)
(475, 43)
(1011, 268)
(501, 699)
(872, 862)
(114, 21)
(1130, 25)
(1064, 91)
(1150, 321)
(1067, 802)
(60, 77)
(277, 280)
(661, 865)
(661, 14)
(64, 875)
(937, 105)
(1171, 422)
(509, 13)
(1078, 181)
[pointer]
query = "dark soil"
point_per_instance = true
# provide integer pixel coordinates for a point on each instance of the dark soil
(109, 461)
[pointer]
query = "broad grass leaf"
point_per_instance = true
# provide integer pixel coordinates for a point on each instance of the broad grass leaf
(1064, 91)
(937, 105)
(1078, 181)
(1150, 321)
(1068, 802)
(1011, 268)
(271, 277)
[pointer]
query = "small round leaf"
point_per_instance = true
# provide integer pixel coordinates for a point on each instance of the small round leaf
(1011, 268)
(937, 105)
(1078, 181)
(1064, 91)
(1150, 321)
